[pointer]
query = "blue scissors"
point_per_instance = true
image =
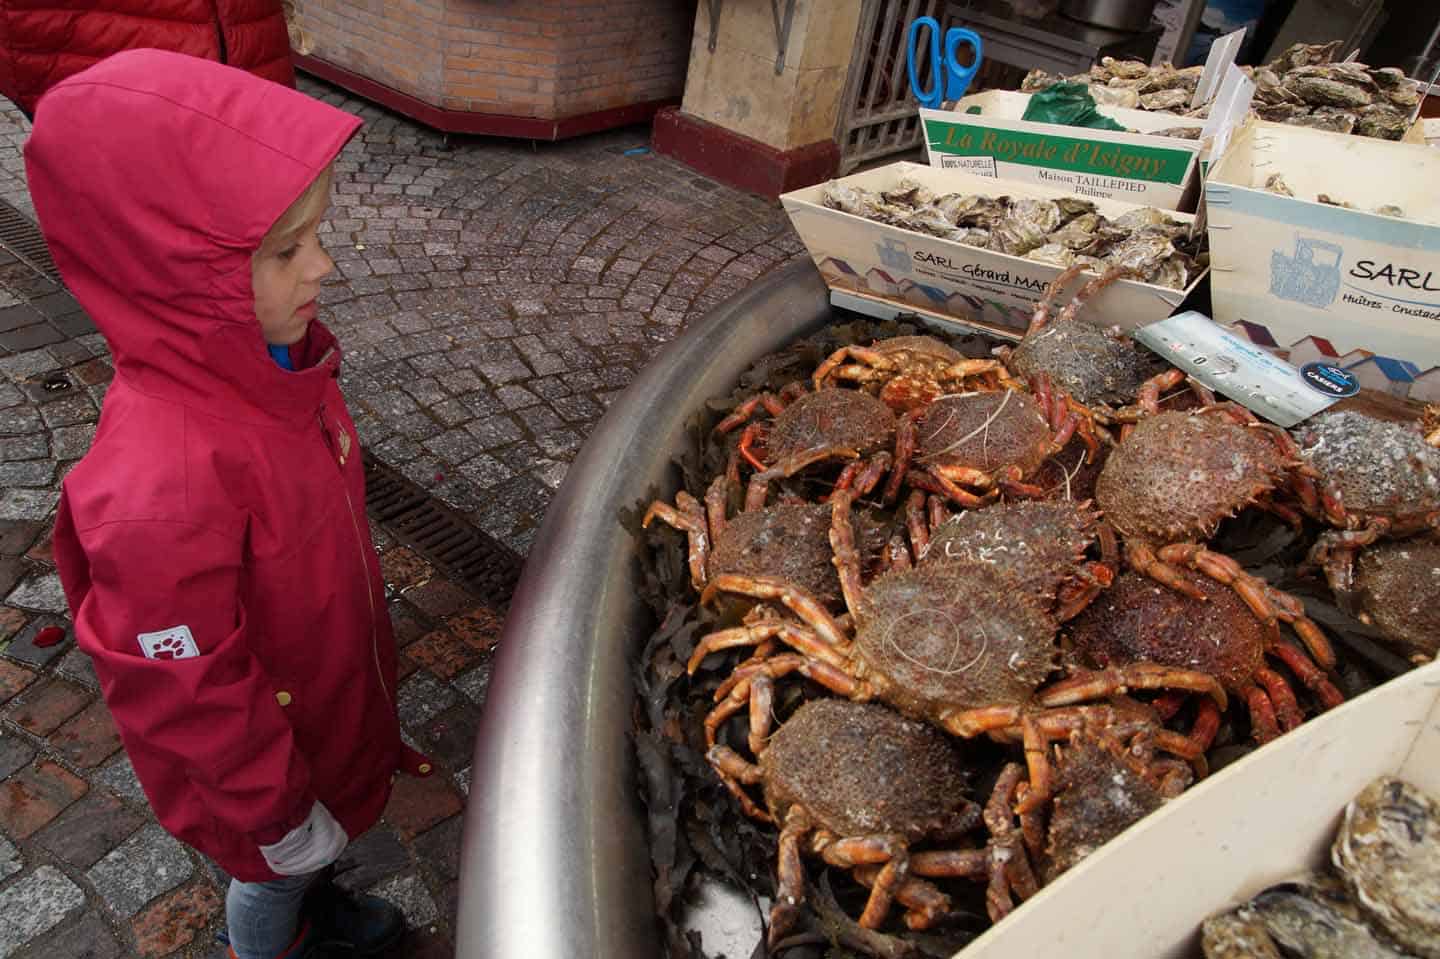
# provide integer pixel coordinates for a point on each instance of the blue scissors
(951, 78)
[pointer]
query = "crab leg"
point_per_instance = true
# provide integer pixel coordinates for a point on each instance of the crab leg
(832, 364)
(939, 515)
(745, 410)
(690, 518)
(904, 452)
(1207, 724)
(867, 476)
(1335, 553)
(752, 635)
(1094, 287)
(887, 851)
(1084, 685)
(717, 502)
(795, 599)
(790, 875)
(1287, 710)
(1267, 603)
(777, 667)
(1143, 560)
(736, 773)
(1263, 724)
(950, 863)
(759, 488)
(1313, 678)
(924, 903)
(1041, 317)
(916, 524)
(1009, 866)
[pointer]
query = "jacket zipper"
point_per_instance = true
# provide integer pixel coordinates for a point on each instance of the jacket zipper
(364, 560)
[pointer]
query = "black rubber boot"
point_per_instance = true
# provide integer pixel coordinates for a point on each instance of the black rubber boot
(347, 924)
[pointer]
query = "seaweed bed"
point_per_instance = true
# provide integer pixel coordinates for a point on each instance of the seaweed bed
(695, 827)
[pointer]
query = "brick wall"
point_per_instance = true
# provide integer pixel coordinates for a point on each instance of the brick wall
(548, 59)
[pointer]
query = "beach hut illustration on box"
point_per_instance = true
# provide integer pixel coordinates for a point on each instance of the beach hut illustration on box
(1426, 387)
(1386, 374)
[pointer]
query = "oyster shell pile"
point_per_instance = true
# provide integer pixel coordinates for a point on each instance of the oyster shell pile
(1383, 904)
(1059, 232)
(1304, 86)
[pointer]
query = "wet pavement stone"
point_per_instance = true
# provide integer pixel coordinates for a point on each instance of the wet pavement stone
(149, 863)
(35, 904)
(493, 298)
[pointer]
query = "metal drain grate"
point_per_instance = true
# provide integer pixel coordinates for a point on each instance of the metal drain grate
(439, 534)
(24, 239)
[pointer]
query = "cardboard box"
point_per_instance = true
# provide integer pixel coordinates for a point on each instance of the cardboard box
(962, 285)
(1097, 164)
(1296, 272)
(1262, 820)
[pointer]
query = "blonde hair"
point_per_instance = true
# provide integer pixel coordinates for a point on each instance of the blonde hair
(308, 206)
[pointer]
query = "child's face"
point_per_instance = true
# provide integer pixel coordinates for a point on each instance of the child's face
(286, 277)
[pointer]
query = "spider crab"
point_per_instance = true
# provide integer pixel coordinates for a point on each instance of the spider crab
(910, 372)
(1168, 485)
(1394, 589)
(963, 645)
(857, 785)
(1136, 620)
(787, 539)
(825, 419)
(1376, 479)
(1040, 543)
(969, 447)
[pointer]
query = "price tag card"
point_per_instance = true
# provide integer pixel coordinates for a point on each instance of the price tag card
(1240, 370)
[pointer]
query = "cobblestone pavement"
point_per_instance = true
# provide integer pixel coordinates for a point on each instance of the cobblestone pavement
(492, 297)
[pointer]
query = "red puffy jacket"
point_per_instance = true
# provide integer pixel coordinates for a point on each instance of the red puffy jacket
(213, 543)
(44, 41)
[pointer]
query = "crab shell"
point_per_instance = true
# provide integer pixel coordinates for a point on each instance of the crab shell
(1097, 798)
(1038, 543)
(1138, 620)
(832, 417)
(789, 540)
(1178, 475)
(861, 769)
(1379, 468)
(954, 635)
(1091, 364)
(986, 431)
(1397, 584)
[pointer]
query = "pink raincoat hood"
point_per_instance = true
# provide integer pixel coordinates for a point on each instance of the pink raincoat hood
(155, 176)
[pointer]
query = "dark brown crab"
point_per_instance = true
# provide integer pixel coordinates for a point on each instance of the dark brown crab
(1136, 620)
(1377, 479)
(969, 447)
(909, 372)
(1168, 485)
(857, 785)
(803, 421)
(1394, 588)
(789, 539)
(1087, 368)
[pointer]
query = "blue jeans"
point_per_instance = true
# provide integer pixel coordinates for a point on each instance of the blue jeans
(263, 918)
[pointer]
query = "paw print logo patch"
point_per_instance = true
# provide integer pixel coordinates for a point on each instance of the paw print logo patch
(173, 643)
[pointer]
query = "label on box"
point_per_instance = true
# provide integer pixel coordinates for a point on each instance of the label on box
(1237, 368)
(1133, 167)
(980, 166)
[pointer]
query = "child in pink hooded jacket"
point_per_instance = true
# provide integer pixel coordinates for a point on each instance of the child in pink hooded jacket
(213, 544)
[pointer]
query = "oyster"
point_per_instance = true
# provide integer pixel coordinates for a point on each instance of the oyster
(1164, 100)
(1283, 112)
(1325, 85)
(1388, 850)
(1143, 252)
(1125, 69)
(1389, 209)
(1275, 183)
(909, 193)
(1144, 217)
(1396, 87)
(1230, 937)
(1305, 54)
(860, 202)
(972, 210)
(1382, 120)
(1179, 133)
(1315, 919)
(1026, 226)
(1115, 97)
(1328, 200)
(928, 219)
(1333, 122)
(1054, 253)
(1037, 80)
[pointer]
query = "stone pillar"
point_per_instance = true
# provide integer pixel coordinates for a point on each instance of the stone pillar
(746, 124)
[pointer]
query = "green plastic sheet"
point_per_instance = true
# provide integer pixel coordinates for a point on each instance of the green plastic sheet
(1069, 104)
